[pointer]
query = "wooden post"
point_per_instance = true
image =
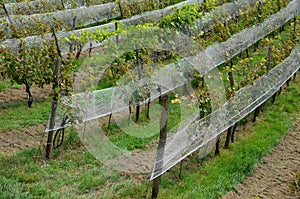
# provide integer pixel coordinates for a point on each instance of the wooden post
(274, 98)
(164, 102)
(257, 44)
(280, 90)
(129, 113)
(295, 27)
(288, 82)
(73, 28)
(247, 52)
(232, 133)
(228, 136)
(148, 107)
(117, 36)
(121, 9)
(138, 65)
(254, 46)
(53, 109)
(256, 112)
(259, 12)
(109, 120)
(268, 64)
(137, 112)
(7, 14)
(217, 151)
(179, 175)
(231, 79)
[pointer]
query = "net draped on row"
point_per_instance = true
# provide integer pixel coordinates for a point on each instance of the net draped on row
(71, 19)
(204, 61)
(155, 16)
(38, 6)
(182, 142)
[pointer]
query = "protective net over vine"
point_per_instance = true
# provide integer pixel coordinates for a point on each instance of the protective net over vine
(88, 105)
(203, 24)
(38, 6)
(67, 19)
(223, 13)
(193, 134)
(182, 142)
(103, 102)
(147, 17)
(206, 60)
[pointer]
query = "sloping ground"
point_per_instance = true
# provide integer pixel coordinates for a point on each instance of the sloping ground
(272, 177)
(22, 139)
(16, 95)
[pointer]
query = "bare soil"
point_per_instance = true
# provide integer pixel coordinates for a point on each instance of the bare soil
(16, 95)
(272, 177)
(29, 137)
(25, 138)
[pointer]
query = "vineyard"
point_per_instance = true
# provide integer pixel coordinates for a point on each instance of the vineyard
(147, 99)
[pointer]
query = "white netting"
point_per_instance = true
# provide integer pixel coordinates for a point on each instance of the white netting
(147, 17)
(221, 52)
(217, 53)
(100, 103)
(193, 134)
(38, 6)
(31, 7)
(227, 10)
(180, 143)
(69, 19)
(152, 16)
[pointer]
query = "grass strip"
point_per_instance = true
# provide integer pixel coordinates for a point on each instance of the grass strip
(18, 116)
(221, 174)
(74, 173)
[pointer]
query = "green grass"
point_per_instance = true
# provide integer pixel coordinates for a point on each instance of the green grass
(74, 173)
(223, 173)
(6, 84)
(148, 129)
(17, 116)
(11, 189)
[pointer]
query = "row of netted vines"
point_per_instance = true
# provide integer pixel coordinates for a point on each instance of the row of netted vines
(205, 61)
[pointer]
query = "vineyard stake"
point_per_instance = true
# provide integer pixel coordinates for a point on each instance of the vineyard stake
(228, 136)
(164, 102)
(295, 24)
(217, 151)
(274, 98)
(231, 79)
(268, 64)
(232, 133)
(256, 112)
(53, 109)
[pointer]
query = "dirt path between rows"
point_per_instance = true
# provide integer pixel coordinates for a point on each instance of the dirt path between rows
(272, 177)
(25, 138)
(17, 95)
